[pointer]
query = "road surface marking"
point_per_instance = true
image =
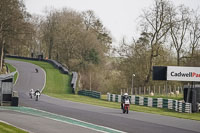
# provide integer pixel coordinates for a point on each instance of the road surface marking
(61, 118)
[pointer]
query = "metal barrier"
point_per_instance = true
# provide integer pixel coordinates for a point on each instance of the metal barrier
(53, 62)
(74, 81)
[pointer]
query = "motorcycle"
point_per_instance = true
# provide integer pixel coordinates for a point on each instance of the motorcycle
(37, 95)
(126, 106)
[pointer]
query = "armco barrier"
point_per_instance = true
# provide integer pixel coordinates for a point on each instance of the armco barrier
(175, 105)
(74, 80)
(89, 93)
(53, 62)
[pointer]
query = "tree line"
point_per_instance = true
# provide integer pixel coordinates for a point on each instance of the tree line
(169, 35)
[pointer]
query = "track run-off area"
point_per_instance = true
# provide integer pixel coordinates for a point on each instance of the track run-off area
(55, 115)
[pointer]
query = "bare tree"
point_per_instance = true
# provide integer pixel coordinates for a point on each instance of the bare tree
(93, 24)
(194, 32)
(156, 24)
(179, 28)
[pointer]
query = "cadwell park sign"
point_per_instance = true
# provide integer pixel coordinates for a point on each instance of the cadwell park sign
(183, 73)
(176, 73)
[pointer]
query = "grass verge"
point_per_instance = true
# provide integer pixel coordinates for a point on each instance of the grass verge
(12, 69)
(5, 128)
(104, 103)
(61, 89)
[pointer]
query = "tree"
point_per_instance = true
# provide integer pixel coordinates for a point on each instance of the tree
(155, 23)
(179, 27)
(78, 45)
(50, 31)
(93, 23)
(194, 32)
(13, 24)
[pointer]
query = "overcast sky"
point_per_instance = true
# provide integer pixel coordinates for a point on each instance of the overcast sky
(120, 17)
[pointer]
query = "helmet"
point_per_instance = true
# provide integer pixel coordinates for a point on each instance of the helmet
(125, 94)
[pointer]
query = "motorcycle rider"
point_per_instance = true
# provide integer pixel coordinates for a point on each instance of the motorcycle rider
(36, 94)
(36, 70)
(37, 91)
(31, 92)
(124, 97)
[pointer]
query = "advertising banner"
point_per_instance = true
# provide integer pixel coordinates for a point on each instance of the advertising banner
(183, 73)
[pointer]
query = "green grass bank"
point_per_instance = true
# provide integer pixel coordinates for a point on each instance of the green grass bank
(5, 128)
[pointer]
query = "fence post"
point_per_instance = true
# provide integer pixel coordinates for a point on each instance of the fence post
(131, 91)
(174, 89)
(135, 91)
(159, 89)
(163, 90)
(149, 89)
(181, 90)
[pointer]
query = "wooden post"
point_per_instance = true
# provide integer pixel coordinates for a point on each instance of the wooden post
(139, 90)
(181, 90)
(159, 89)
(174, 89)
(131, 91)
(164, 90)
(144, 90)
(149, 89)
(135, 91)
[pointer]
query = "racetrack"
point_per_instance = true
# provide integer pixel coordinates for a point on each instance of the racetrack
(136, 122)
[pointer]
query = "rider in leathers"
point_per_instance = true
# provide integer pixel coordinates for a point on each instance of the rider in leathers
(124, 97)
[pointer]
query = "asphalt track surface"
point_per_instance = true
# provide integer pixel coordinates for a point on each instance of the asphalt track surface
(134, 122)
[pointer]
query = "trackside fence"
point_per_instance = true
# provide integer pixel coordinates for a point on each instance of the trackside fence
(175, 105)
(89, 93)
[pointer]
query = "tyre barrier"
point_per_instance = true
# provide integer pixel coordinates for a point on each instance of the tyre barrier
(89, 93)
(175, 105)
(56, 64)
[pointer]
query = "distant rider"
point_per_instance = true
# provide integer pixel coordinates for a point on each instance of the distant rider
(36, 70)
